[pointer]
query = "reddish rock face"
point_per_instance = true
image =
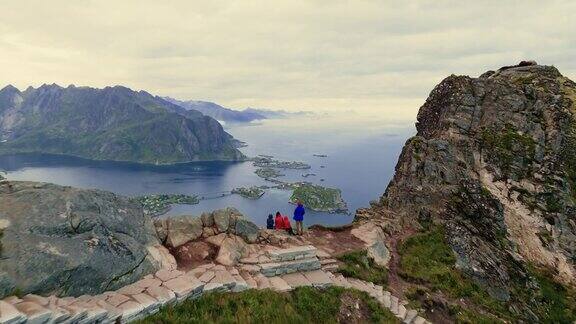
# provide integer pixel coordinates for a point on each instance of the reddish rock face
(192, 254)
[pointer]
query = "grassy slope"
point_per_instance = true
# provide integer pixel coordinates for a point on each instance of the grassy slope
(303, 305)
(358, 265)
(427, 260)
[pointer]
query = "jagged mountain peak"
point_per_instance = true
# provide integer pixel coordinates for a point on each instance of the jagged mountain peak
(493, 164)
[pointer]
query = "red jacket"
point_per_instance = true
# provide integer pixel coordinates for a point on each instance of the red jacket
(287, 224)
(278, 222)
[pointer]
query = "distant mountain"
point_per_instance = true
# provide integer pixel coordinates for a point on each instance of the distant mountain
(114, 123)
(230, 115)
(271, 114)
(218, 112)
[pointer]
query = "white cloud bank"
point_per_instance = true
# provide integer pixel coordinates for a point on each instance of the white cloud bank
(382, 56)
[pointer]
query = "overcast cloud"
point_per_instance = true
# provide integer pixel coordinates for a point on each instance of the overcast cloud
(382, 56)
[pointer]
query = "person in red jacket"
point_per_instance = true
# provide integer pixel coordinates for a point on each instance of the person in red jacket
(278, 221)
(287, 225)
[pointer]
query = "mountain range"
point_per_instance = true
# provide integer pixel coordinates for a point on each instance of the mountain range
(113, 123)
(228, 115)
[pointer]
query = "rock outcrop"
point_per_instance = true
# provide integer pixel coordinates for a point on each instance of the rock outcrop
(225, 230)
(494, 163)
(69, 242)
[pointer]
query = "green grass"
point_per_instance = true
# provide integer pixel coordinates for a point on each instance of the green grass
(511, 151)
(303, 305)
(358, 265)
(427, 259)
(555, 303)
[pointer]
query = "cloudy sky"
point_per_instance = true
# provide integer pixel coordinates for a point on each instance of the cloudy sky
(382, 56)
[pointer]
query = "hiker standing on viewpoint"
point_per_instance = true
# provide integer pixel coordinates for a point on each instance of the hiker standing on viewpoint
(299, 217)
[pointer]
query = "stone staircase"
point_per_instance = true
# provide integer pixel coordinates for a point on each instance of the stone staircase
(279, 269)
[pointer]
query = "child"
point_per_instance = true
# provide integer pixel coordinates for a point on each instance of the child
(270, 222)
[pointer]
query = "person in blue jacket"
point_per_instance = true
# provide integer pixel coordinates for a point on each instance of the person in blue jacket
(299, 217)
(270, 222)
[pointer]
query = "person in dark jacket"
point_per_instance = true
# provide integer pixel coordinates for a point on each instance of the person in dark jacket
(278, 222)
(270, 222)
(299, 218)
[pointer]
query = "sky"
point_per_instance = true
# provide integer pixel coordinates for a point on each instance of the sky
(382, 57)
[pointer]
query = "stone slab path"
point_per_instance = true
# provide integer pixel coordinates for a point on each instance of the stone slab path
(278, 269)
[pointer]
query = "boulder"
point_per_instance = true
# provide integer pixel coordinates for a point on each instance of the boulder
(207, 232)
(68, 241)
(221, 220)
(182, 229)
(247, 230)
(225, 219)
(207, 219)
(216, 239)
(231, 250)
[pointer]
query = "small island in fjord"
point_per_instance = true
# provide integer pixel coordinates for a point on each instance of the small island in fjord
(155, 205)
(319, 198)
(250, 193)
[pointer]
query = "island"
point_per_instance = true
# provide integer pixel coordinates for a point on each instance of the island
(320, 155)
(268, 173)
(319, 198)
(267, 161)
(155, 205)
(250, 193)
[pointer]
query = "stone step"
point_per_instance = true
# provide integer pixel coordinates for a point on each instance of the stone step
(294, 253)
(10, 315)
(250, 281)
(419, 320)
(296, 279)
(318, 278)
(214, 287)
(401, 312)
(240, 283)
(394, 305)
(410, 316)
(262, 281)
(278, 284)
(280, 268)
(185, 286)
(34, 312)
(162, 294)
(225, 278)
(386, 301)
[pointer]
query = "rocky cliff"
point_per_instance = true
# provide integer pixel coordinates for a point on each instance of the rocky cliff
(493, 164)
(67, 241)
(114, 123)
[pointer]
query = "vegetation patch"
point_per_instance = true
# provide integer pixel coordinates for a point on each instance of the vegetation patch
(268, 173)
(511, 151)
(159, 204)
(303, 305)
(250, 193)
(427, 259)
(319, 198)
(358, 265)
(553, 303)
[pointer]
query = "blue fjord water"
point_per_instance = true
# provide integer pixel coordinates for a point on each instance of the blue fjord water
(361, 159)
